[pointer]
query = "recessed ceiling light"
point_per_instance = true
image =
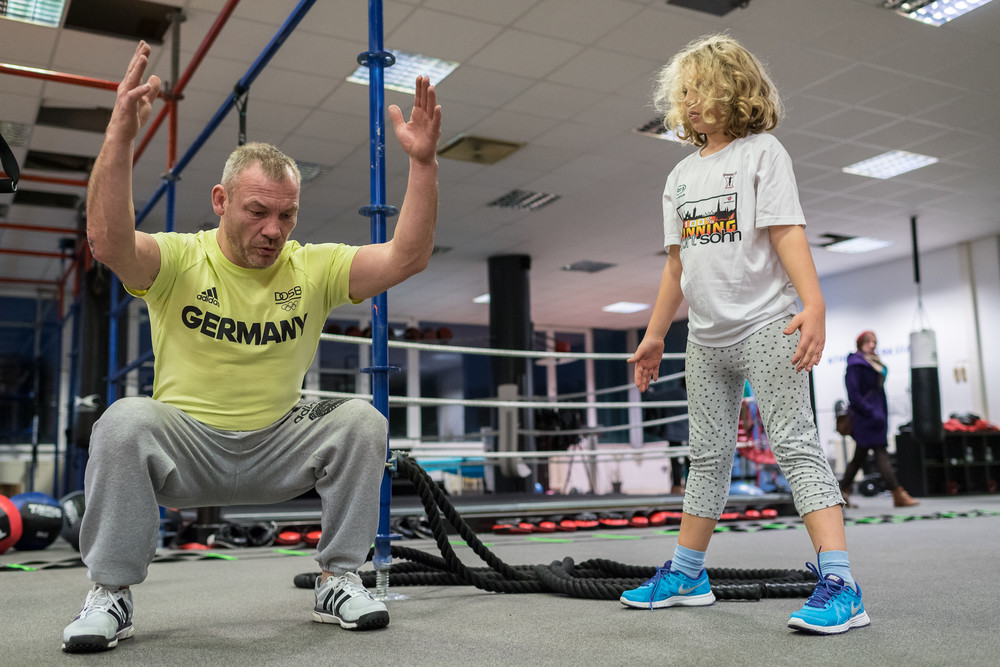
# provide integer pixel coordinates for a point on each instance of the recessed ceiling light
(587, 266)
(40, 12)
(890, 164)
(933, 12)
(854, 245)
(404, 72)
(625, 307)
(482, 298)
(481, 150)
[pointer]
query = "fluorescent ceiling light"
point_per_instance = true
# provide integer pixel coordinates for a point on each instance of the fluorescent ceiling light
(40, 12)
(857, 245)
(890, 164)
(404, 72)
(482, 298)
(933, 12)
(625, 307)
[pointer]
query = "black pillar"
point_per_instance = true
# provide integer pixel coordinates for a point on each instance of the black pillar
(510, 328)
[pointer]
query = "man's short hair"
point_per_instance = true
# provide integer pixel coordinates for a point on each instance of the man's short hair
(272, 161)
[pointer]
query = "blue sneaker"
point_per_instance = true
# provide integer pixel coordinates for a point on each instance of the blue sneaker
(670, 589)
(832, 608)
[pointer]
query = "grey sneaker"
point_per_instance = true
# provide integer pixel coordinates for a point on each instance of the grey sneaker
(345, 600)
(105, 618)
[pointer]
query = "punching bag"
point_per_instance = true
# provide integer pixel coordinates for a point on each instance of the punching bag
(91, 395)
(925, 391)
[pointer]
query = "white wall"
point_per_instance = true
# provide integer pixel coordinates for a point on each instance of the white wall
(961, 304)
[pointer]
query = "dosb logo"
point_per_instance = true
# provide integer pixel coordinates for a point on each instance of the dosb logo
(288, 300)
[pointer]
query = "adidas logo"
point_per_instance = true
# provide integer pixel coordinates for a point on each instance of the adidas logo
(209, 296)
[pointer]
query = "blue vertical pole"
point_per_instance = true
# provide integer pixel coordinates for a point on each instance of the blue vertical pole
(168, 225)
(376, 59)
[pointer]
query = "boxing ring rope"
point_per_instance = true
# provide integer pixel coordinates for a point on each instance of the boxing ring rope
(494, 352)
(497, 403)
(447, 453)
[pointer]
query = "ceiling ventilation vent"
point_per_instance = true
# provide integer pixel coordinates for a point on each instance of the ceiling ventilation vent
(588, 266)
(656, 128)
(478, 149)
(15, 134)
(51, 199)
(132, 19)
(310, 171)
(714, 7)
(94, 119)
(524, 200)
(49, 161)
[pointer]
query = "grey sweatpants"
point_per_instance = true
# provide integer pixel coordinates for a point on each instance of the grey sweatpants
(715, 377)
(145, 454)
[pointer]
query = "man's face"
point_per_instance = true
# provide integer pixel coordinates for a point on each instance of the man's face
(256, 218)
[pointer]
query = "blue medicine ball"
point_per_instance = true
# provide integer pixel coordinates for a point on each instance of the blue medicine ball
(745, 489)
(41, 520)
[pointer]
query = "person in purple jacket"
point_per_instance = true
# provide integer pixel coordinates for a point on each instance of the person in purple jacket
(865, 380)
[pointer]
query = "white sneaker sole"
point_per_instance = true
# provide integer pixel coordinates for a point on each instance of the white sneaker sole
(859, 621)
(370, 621)
(94, 643)
(703, 600)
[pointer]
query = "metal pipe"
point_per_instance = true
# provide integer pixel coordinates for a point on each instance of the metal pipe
(40, 228)
(192, 67)
(27, 281)
(60, 77)
(31, 253)
(80, 182)
(376, 60)
(244, 83)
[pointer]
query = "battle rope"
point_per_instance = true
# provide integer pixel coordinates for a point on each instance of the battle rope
(595, 579)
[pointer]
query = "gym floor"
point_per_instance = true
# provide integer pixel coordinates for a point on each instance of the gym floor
(928, 575)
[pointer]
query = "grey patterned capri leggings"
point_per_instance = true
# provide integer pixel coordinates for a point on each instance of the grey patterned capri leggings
(715, 377)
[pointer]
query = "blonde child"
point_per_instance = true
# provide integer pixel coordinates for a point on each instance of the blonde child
(737, 251)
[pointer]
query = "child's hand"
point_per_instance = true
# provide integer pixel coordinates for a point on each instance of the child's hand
(812, 327)
(647, 360)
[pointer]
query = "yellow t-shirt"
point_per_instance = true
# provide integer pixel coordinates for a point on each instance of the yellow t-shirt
(232, 345)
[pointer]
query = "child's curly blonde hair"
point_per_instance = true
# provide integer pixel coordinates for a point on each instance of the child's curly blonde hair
(730, 83)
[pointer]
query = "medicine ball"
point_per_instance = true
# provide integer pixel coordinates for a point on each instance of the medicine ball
(72, 508)
(41, 520)
(10, 524)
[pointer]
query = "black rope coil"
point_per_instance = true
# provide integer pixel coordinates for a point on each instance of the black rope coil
(595, 579)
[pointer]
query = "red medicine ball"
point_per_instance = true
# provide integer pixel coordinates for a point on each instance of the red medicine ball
(10, 524)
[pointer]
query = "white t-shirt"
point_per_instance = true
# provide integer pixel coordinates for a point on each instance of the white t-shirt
(717, 209)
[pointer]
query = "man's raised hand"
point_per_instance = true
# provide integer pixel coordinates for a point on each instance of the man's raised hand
(134, 100)
(419, 136)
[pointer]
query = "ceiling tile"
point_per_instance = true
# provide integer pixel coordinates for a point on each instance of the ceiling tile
(554, 100)
(582, 21)
(913, 96)
(524, 54)
(441, 35)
